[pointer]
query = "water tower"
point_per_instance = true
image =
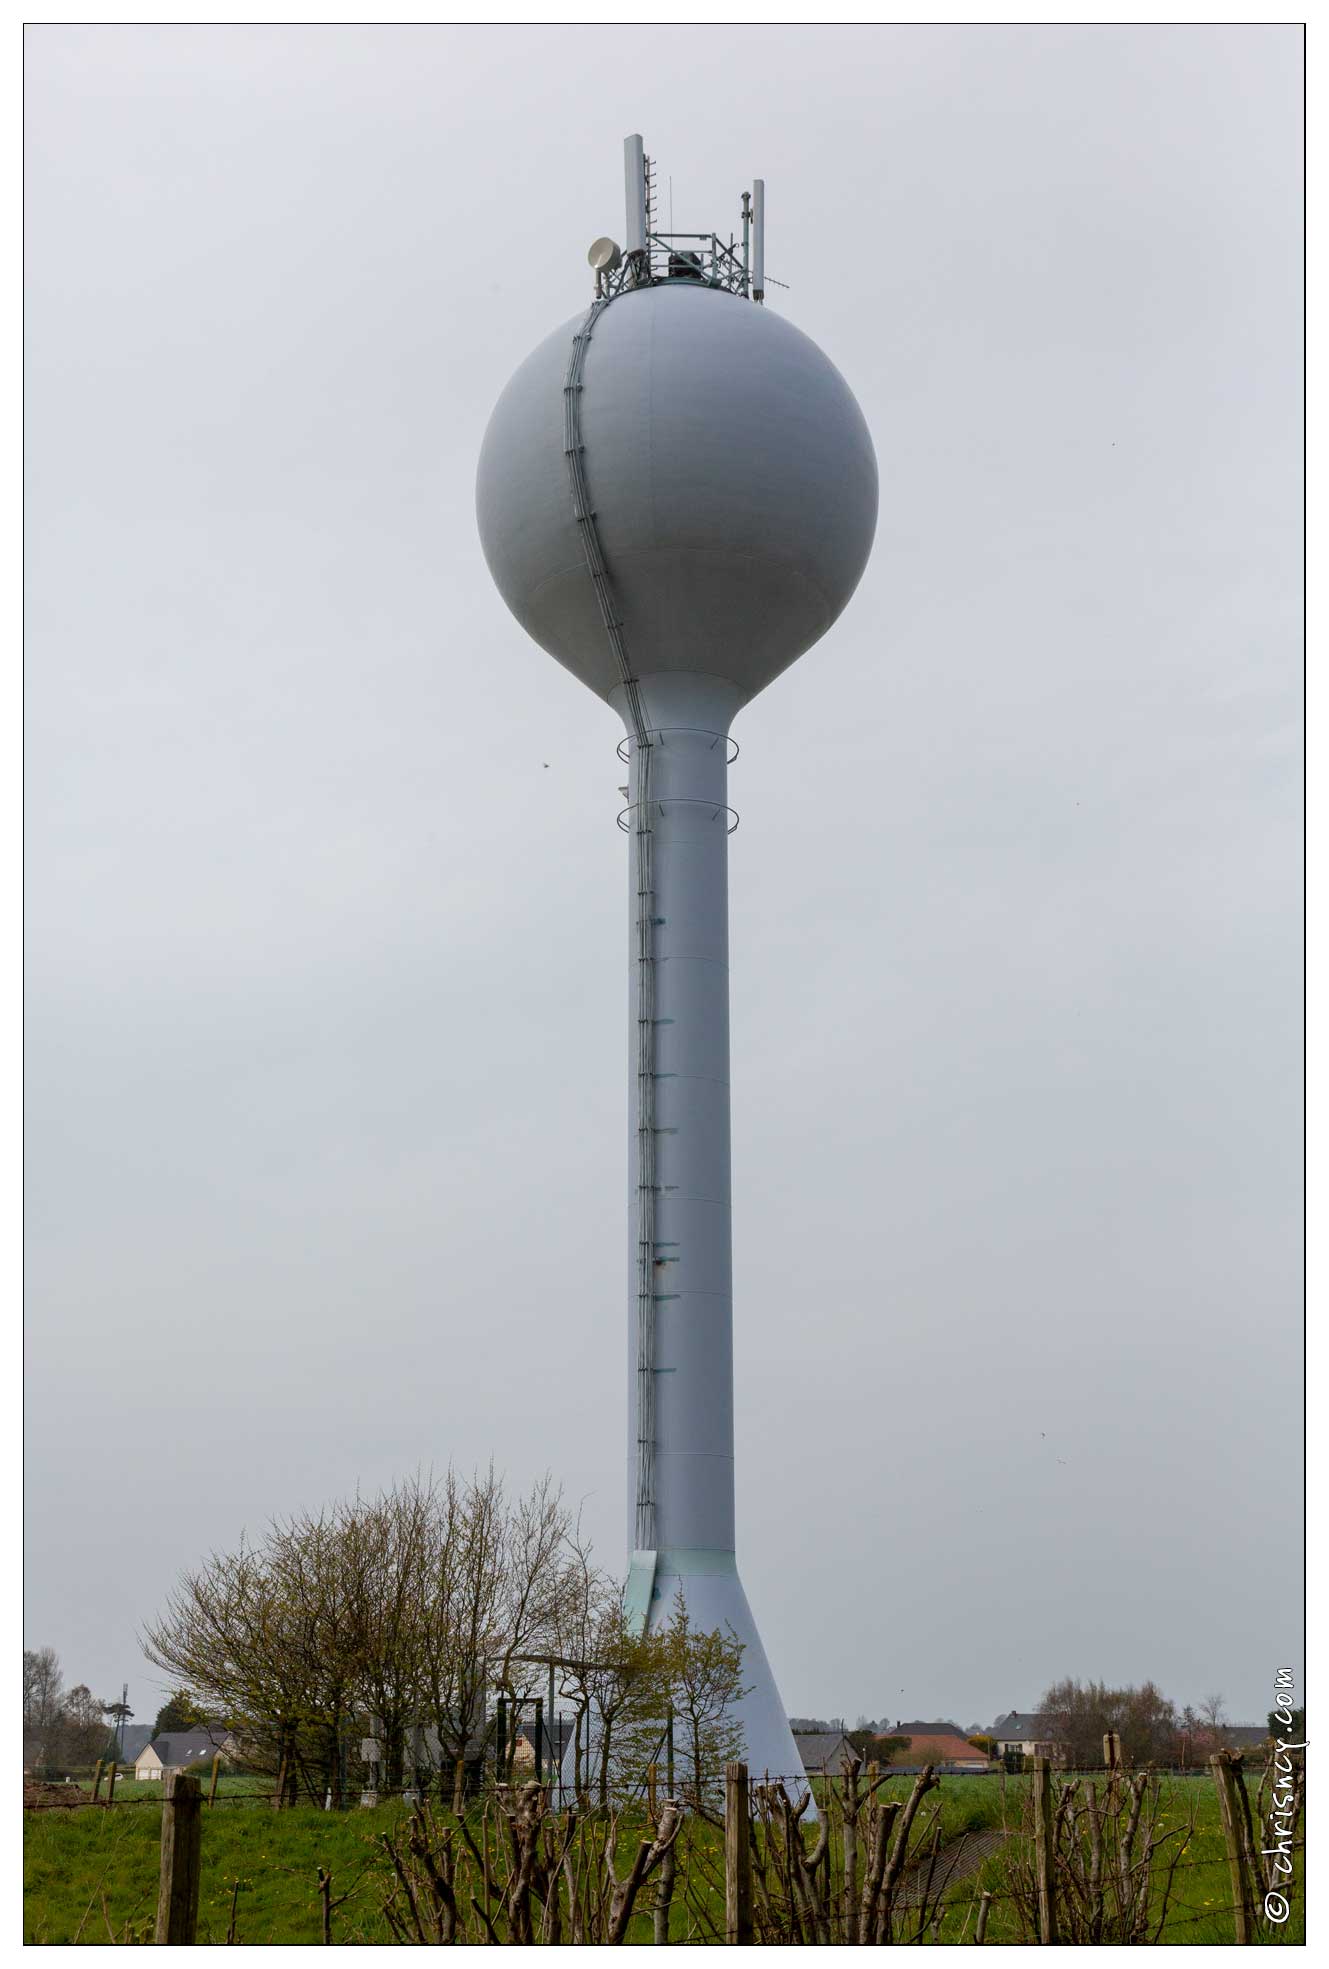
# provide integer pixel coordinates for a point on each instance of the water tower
(676, 496)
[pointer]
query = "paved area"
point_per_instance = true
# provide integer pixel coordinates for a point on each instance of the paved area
(960, 1860)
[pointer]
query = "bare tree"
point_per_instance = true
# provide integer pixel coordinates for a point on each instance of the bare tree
(226, 1636)
(43, 1689)
(63, 1729)
(84, 1733)
(388, 1590)
(496, 1580)
(1212, 1713)
(386, 1615)
(464, 1588)
(316, 1573)
(1077, 1716)
(536, 1579)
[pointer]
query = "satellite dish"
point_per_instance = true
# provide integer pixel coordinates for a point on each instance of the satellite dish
(604, 255)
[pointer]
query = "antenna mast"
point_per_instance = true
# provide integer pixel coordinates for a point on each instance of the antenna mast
(634, 185)
(759, 239)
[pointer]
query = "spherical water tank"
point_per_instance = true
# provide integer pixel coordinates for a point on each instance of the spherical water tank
(732, 478)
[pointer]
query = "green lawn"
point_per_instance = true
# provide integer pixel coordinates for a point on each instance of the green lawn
(74, 1858)
(1199, 1910)
(974, 1804)
(229, 1785)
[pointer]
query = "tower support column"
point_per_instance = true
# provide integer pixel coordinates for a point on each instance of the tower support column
(681, 1420)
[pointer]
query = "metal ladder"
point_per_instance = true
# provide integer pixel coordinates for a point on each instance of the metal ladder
(646, 1186)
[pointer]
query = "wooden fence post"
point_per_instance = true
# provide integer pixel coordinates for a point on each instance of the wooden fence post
(1243, 1903)
(97, 1782)
(737, 1856)
(182, 1828)
(652, 1780)
(110, 1783)
(212, 1788)
(984, 1909)
(1112, 1751)
(1045, 1850)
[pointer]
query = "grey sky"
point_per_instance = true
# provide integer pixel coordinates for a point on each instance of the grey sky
(326, 973)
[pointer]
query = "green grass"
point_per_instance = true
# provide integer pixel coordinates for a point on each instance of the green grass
(74, 1857)
(229, 1785)
(1200, 1906)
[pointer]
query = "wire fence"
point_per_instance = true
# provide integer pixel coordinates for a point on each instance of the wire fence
(624, 1788)
(1080, 1856)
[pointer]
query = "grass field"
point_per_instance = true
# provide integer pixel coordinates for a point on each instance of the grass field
(1200, 1910)
(75, 1860)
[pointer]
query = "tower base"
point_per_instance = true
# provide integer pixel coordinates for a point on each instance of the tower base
(714, 1597)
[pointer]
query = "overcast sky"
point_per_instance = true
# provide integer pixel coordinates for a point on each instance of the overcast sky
(326, 1095)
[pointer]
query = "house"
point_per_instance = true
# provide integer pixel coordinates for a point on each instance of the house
(1022, 1734)
(945, 1749)
(422, 1748)
(1242, 1736)
(554, 1739)
(1198, 1742)
(182, 1750)
(823, 1751)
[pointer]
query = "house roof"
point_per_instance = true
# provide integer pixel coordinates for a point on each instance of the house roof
(185, 1746)
(1020, 1726)
(947, 1749)
(133, 1740)
(822, 1749)
(1242, 1736)
(940, 1726)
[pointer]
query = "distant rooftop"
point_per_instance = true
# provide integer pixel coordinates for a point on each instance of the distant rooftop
(1020, 1726)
